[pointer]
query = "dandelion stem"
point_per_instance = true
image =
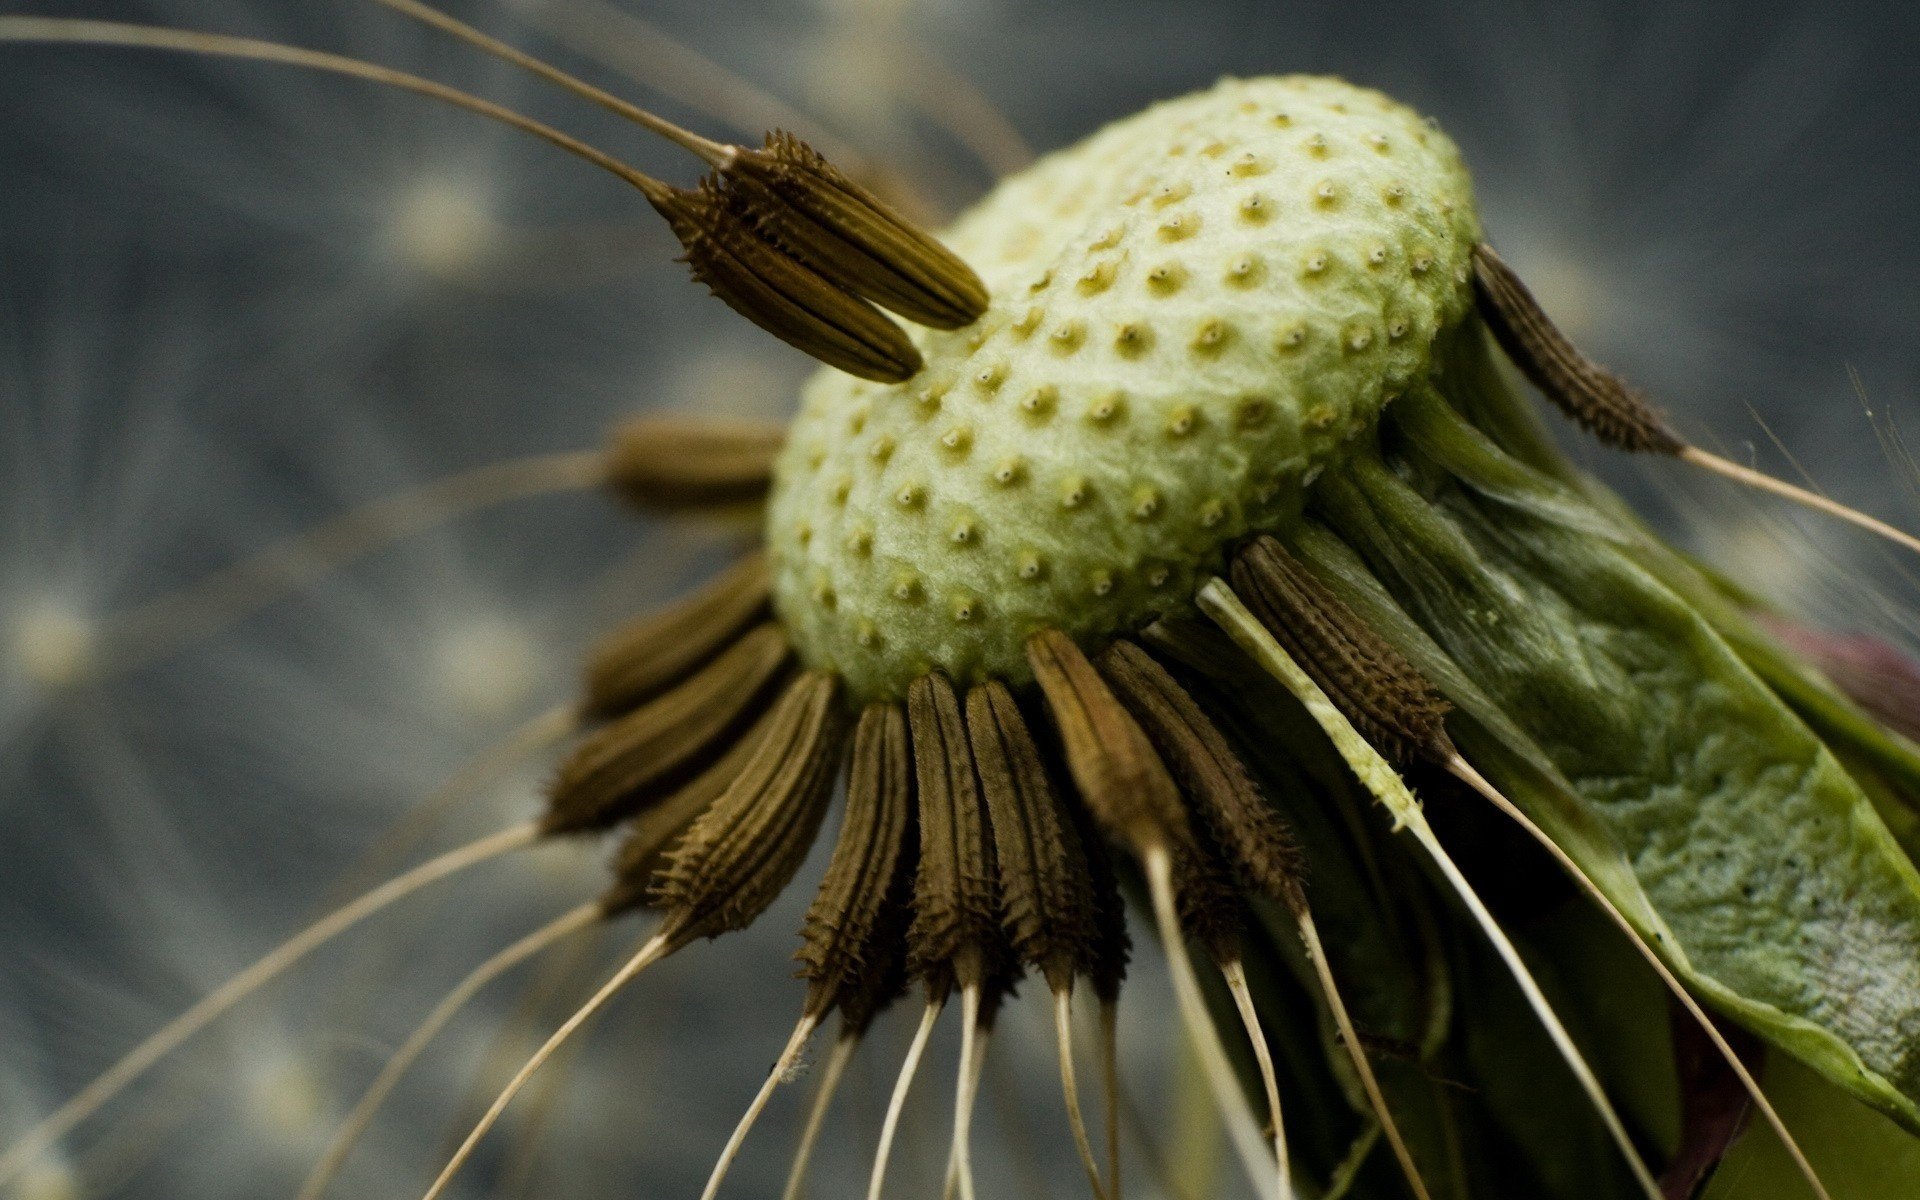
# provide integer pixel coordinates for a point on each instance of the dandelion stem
(1070, 1087)
(891, 1124)
(1357, 1053)
(1465, 772)
(795, 1044)
(1227, 1095)
(163, 624)
(361, 1117)
(656, 948)
(830, 1077)
(203, 1013)
(1235, 974)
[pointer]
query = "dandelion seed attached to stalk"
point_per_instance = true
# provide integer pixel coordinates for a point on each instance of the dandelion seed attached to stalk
(1247, 333)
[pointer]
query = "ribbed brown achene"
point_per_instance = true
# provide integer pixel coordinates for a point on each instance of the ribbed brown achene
(736, 857)
(641, 757)
(1387, 700)
(1592, 396)
(678, 462)
(652, 652)
(1218, 787)
(955, 904)
(870, 870)
(1046, 894)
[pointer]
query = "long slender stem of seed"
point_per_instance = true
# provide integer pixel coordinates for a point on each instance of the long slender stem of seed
(73, 31)
(361, 1117)
(973, 1060)
(1799, 495)
(795, 1045)
(714, 153)
(479, 773)
(1220, 603)
(1070, 1087)
(1537, 1000)
(171, 1036)
(1110, 1084)
(1464, 771)
(911, 1065)
(1227, 1095)
(656, 948)
(830, 1077)
(1235, 974)
(1357, 1053)
(163, 624)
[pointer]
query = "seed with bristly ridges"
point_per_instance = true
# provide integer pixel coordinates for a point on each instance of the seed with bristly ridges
(739, 854)
(1046, 897)
(620, 767)
(635, 662)
(1392, 704)
(955, 906)
(844, 951)
(851, 237)
(1216, 783)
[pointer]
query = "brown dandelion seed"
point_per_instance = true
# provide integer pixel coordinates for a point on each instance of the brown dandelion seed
(765, 283)
(1391, 704)
(850, 236)
(680, 463)
(637, 661)
(622, 766)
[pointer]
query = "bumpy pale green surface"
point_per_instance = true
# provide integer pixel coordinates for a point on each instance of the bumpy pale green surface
(1194, 310)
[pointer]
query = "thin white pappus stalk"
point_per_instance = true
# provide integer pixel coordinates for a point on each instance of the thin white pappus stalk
(1805, 497)
(167, 622)
(973, 1060)
(171, 1036)
(830, 1077)
(1228, 1097)
(1070, 1087)
(1220, 603)
(711, 152)
(356, 1122)
(908, 1068)
(656, 948)
(1235, 973)
(796, 1044)
(1357, 1054)
(1467, 774)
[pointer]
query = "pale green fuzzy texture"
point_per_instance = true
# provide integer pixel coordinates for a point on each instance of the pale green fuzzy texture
(1194, 311)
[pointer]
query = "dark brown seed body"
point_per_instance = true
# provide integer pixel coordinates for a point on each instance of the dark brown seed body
(681, 462)
(853, 239)
(637, 661)
(1046, 896)
(789, 299)
(955, 905)
(1217, 784)
(739, 854)
(639, 757)
(1113, 764)
(1389, 702)
(864, 894)
(1584, 390)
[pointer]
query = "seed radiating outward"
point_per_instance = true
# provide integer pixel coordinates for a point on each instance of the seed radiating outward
(668, 464)
(637, 661)
(956, 909)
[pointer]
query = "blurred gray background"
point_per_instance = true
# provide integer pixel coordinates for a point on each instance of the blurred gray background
(235, 299)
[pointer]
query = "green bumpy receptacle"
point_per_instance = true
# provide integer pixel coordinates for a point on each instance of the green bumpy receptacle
(1194, 311)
